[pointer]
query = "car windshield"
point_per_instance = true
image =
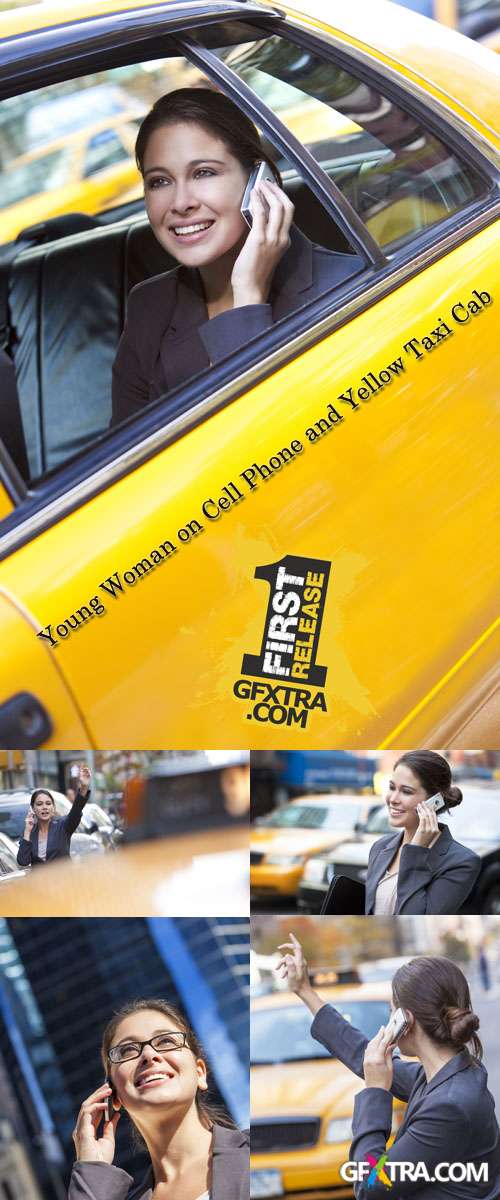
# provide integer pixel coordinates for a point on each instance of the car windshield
(41, 174)
(314, 816)
(283, 1034)
(477, 818)
(378, 822)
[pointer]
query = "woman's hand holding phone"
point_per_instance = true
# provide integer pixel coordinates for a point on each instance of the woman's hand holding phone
(89, 1145)
(266, 243)
(377, 1063)
(427, 826)
(29, 823)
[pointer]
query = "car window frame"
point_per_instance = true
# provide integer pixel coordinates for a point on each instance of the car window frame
(71, 485)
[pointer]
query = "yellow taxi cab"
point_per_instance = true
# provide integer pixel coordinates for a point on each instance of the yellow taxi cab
(354, 443)
(282, 842)
(84, 171)
(302, 1099)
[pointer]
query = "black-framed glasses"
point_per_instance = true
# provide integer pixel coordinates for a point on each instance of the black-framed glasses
(162, 1042)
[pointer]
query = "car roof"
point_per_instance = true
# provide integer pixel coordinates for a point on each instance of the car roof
(447, 65)
(327, 798)
(379, 990)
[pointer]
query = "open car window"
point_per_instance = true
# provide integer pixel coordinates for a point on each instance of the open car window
(398, 176)
(74, 202)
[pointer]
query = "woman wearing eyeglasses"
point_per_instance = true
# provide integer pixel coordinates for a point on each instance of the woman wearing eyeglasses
(156, 1073)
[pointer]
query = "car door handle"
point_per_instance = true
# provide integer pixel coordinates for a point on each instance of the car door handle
(24, 722)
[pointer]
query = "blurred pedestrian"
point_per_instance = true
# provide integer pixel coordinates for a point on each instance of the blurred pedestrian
(156, 1072)
(484, 969)
(47, 837)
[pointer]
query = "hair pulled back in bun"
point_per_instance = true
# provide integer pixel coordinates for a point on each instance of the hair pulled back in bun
(433, 772)
(436, 991)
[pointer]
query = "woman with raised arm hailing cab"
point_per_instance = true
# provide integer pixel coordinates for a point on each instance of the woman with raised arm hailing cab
(450, 1114)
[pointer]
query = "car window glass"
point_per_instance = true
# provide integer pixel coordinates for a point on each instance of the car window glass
(397, 175)
(284, 1035)
(75, 207)
(103, 150)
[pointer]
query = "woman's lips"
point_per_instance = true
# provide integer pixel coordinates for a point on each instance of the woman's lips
(193, 232)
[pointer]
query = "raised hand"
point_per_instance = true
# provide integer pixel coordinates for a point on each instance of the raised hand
(267, 241)
(293, 966)
(89, 1144)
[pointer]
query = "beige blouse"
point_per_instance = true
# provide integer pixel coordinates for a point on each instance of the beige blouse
(386, 893)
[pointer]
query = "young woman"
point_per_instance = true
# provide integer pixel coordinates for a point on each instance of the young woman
(196, 151)
(450, 1114)
(47, 837)
(155, 1071)
(420, 868)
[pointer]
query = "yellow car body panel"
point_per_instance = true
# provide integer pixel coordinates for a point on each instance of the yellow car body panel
(399, 496)
(41, 675)
(316, 1087)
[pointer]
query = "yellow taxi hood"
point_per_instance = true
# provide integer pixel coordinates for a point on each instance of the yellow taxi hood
(458, 71)
(316, 1087)
(295, 841)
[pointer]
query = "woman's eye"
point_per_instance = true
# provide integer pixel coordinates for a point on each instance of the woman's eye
(157, 181)
(202, 171)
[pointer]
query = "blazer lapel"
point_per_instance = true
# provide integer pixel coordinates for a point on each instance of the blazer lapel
(182, 353)
(293, 275)
(441, 847)
(226, 1162)
(459, 1062)
(379, 868)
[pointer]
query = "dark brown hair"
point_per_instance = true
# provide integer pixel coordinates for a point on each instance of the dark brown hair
(41, 792)
(208, 1113)
(214, 112)
(434, 774)
(436, 991)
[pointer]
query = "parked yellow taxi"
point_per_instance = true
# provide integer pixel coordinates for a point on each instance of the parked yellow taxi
(282, 842)
(354, 443)
(85, 171)
(301, 1099)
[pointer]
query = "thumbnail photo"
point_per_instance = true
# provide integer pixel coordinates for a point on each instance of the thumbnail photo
(124, 833)
(124, 1058)
(381, 833)
(375, 1057)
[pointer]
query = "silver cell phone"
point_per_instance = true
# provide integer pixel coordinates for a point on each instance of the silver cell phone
(260, 172)
(434, 802)
(398, 1025)
(75, 771)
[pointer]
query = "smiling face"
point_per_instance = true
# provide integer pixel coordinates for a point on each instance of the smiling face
(405, 792)
(193, 187)
(43, 807)
(169, 1077)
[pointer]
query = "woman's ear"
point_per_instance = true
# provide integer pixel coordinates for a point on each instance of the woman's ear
(202, 1075)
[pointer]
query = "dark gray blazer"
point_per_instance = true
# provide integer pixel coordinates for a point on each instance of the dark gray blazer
(450, 1119)
(431, 881)
(168, 336)
(59, 837)
(230, 1174)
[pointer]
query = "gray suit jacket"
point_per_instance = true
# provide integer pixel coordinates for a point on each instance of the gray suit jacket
(431, 881)
(168, 336)
(230, 1174)
(450, 1119)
